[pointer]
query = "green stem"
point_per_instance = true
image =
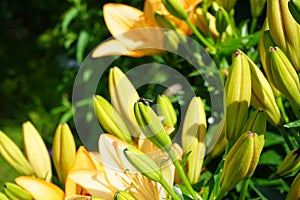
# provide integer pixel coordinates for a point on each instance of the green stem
(181, 173)
(296, 135)
(282, 110)
(169, 189)
(220, 195)
(212, 49)
(286, 138)
(245, 184)
(253, 25)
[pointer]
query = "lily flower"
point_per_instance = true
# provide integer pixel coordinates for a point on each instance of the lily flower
(119, 175)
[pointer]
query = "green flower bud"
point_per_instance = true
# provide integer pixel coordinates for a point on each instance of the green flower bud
(290, 163)
(256, 7)
(13, 191)
(193, 135)
(14, 156)
(284, 30)
(3, 196)
(241, 160)
(123, 195)
(163, 22)
(222, 20)
(284, 76)
(175, 9)
(257, 123)
(110, 120)
(237, 96)
(143, 163)
(262, 96)
(227, 4)
(294, 8)
(151, 126)
(63, 151)
(166, 109)
(294, 192)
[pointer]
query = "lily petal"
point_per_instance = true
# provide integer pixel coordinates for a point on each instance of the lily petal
(39, 188)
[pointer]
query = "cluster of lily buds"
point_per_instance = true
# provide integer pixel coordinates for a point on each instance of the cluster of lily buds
(290, 163)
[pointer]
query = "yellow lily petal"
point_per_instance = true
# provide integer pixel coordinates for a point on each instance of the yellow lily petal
(120, 18)
(36, 152)
(94, 182)
(82, 160)
(39, 188)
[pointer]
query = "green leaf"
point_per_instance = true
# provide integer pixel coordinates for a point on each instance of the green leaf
(186, 194)
(294, 124)
(82, 42)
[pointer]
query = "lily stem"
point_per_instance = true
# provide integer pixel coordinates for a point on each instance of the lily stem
(181, 173)
(245, 184)
(212, 49)
(169, 189)
(286, 138)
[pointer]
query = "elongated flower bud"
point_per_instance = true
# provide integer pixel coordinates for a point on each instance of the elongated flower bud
(123, 96)
(63, 151)
(3, 196)
(257, 123)
(256, 7)
(143, 163)
(14, 156)
(36, 152)
(238, 95)
(110, 120)
(175, 9)
(284, 76)
(123, 195)
(262, 96)
(222, 20)
(294, 7)
(193, 134)
(39, 188)
(241, 160)
(285, 30)
(163, 21)
(227, 4)
(166, 109)
(13, 191)
(151, 126)
(290, 163)
(294, 192)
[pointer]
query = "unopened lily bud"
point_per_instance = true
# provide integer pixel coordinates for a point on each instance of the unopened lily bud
(227, 4)
(15, 192)
(285, 30)
(63, 151)
(14, 156)
(294, 192)
(166, 109)
(151, 126)
(163, 21)
(237, 96)
(36, 152)
(241, 160)
(284, 76)
(3, 196)
(123, 195)
(222, 20)
(294, 7)
(262, 96)
(175, 9)
(193, 135)
(110, 120)
(143, 163)
(290, 163)
(257, 123)
(256, 7)
(123, 95)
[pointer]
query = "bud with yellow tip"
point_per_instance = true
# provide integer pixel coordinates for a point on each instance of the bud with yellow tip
(36, 152)
(290, 163)
(241, 160)
(63, 151)
(123, 195)
(166, 109)
(294, 192)
(14, 156)
(193, 135)
(110, 120)
(3, 196)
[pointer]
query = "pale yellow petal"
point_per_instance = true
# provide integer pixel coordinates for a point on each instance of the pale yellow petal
(120, 18)
(39, 188)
